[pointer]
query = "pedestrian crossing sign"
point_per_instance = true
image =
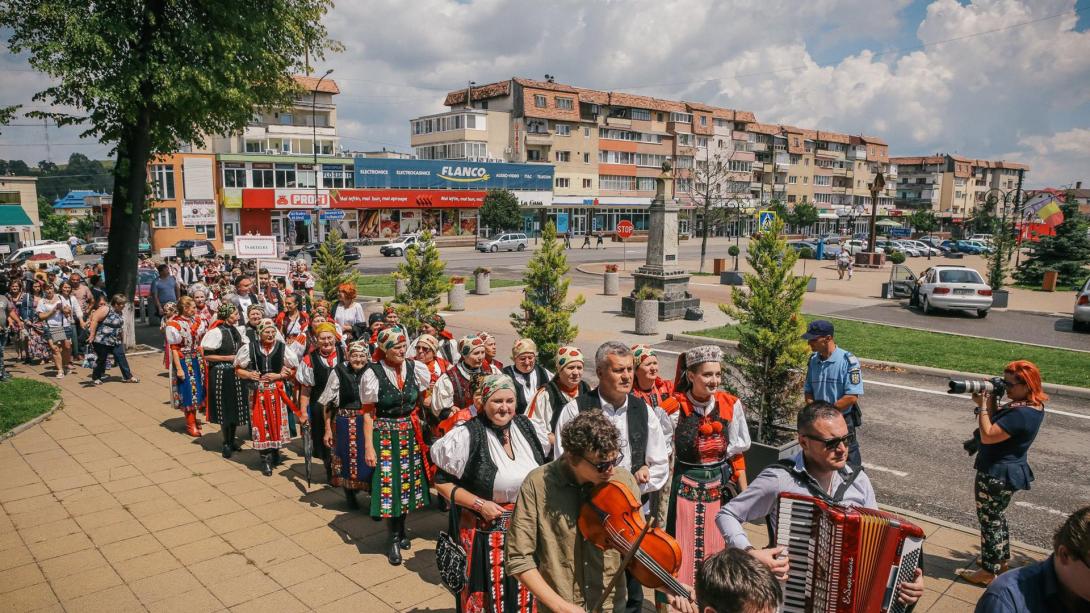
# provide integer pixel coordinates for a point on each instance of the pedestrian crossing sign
(765, 219)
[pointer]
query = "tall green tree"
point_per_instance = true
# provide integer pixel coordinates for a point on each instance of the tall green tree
(423, 270)
(771, 361)
(147, 76)
(546, 313)
(803, 215)
(1068, 252)
(923, 220)
(331, 268)
(500, 211)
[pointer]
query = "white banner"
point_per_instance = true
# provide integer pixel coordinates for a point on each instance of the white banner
(255, 246)
(276, 268)
(199, 213)
(197, 179)
(300, 199)
(5, 248)
(168, 252)
(198, 251)
(533, 198)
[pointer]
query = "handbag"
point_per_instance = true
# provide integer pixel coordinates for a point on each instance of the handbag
(56, 333)
(450, 557)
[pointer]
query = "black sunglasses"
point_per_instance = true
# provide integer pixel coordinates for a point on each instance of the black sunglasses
(832, 443)
(603, 467)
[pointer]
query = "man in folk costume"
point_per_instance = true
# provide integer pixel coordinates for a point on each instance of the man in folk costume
(527, 374)
(452, 396)
(292, 324)
(436, 326)
(491, 364)
(268, 363)
(312, 375)
(344, 437)
(567, 385)
(390, 392)
(646, 455)
(710, 436)
(649, 387)
(226, 393)
(185, 353)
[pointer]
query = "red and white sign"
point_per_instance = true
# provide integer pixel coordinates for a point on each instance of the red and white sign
(364, 199)
(300, 199)
(254, 246)
(625, 229)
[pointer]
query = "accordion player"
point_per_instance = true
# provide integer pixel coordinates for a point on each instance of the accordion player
(845, 559)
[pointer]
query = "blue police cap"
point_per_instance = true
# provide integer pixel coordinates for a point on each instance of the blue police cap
(818, 328)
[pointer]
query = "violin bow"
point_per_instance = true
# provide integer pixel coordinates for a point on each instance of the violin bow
(631, 553)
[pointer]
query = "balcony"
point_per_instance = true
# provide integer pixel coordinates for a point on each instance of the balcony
(857, 154)
(544, 139)
(832, 155)
(296, 130)
(840, 171)
(619, 122)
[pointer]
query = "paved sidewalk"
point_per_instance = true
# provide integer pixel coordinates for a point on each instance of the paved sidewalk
(109, 506)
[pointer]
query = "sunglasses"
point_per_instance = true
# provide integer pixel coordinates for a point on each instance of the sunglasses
(603, 467)
(831, 444)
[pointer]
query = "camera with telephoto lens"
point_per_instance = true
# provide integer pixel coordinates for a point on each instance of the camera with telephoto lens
(995, 386)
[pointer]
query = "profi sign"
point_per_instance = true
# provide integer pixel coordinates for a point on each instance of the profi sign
(300, 199)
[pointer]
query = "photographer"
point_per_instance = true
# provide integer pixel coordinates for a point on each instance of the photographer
(1006, 433)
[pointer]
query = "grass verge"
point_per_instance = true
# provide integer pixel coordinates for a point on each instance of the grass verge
(937, 350)
(383, 285)
(21, 400)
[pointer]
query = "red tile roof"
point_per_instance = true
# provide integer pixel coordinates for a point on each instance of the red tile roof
(327, 86)
(480, 92)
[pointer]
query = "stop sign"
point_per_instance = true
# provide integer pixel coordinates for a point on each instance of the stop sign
(624, 229)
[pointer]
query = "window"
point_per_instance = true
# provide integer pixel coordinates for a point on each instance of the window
(564, 104)
(614, 182)
(10, 198)
(685, 139)
(586, 132)
(234, 175)
(286, 119)
(162, 175)
(337, 176)
(703, 120)
(792, 180)
(534, 155)
(794, 159)
(165, 217)
(702, 141)
(305, 176)
(739, 166)
(683, 161)
(588, 183)
(683, 185)
(285, 175)
(641, 114)
(262, 176)
(681, 117)
(563, 156)
(537, 127)
(563, 182)
(255, 146)
(649, 160)
(586, 158)
(563, 129)
(806, 180)
(230, 229)
(645, 184)
(539, 101)
(721, 123)
(822, 180)
(208, 231)
(791, 199)
(616, 157)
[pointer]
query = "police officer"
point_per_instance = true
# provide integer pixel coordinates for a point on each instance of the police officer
(833, 375)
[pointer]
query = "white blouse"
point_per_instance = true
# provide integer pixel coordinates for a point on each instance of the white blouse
(305, 373)
(242, 358)
(345, 317)
(214, 337)
(738, 440)
(451, 454)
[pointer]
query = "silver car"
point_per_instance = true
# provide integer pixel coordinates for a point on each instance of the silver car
(1081, 316)
(954, 287)
(511, 241)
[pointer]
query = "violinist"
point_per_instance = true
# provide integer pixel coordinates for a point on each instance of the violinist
(481, 465)
(545, 550)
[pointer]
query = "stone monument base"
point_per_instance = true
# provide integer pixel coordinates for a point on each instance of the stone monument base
(674, 288)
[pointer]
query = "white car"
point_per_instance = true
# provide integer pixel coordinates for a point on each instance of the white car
(399, 246)
(855, 246)
(1081, 316)
(953, 287)
(909, 248)
(984, 238)
(923, 247)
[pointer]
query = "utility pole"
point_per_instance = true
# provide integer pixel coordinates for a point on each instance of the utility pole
(314, 145)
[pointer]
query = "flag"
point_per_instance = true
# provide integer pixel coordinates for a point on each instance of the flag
(1051, 214)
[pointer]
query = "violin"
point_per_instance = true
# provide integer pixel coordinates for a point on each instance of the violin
(611, 519)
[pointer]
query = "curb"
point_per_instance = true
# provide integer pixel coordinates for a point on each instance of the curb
(1052, 388)
(958, 527)
(34, 422)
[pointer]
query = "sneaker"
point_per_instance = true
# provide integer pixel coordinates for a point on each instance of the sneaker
(131, 380)
(97, 382)
(60, 375)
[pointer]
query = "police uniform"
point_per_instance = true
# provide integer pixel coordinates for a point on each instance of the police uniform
(831, 379)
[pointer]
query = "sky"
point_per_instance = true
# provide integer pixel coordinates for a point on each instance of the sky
(990, 79)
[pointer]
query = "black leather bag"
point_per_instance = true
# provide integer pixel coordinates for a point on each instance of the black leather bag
(450, 557)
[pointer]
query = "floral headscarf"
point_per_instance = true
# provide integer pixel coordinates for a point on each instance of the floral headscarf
(468, 343)
(641, 353)
(390, 338)
(225, 311)
(358, 347)
(493, 383)
(523, 345)
(568, 354)
(429, 341)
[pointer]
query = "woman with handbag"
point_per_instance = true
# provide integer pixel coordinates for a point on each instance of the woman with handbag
(481, 466)
(56, 314)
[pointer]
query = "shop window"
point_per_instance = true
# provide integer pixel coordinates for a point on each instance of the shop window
(165, 217)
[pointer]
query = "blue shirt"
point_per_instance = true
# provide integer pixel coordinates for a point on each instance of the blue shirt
(832, 379)
(1007, 460)
(1030, 589)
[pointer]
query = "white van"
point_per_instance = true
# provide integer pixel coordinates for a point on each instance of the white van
(58, 250)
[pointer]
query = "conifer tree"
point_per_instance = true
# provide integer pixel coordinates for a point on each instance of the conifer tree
(331, 268)
(771, 359)
(1068, 253)
(423, 269)
(546, 314)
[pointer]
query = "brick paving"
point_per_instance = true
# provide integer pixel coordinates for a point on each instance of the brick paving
(109, 506)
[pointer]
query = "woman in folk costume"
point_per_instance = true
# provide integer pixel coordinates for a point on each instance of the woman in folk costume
(528, 375)
(395, 443)
(185, 354)
(293, 324)
(491, 364)
(254, 314)
(202, 311)
(426, 352)
(481, 466)
(302, 285)
(452, 395)
(566, 386)
(169, 311)
(313, 375)
(268, 363)
(345, 424)
(226, 393)
(710, 435)
(436, 326)
(656, 392)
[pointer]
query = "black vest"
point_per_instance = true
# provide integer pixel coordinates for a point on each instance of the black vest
(393, 402)
(322, 371)
(520, 396)
(636, 415)
(230, 341)
(687, 431)
(558, 400)
(264, 364)
(349, 383)
(479, 475)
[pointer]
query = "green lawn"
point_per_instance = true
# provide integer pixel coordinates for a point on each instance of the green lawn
(947, 351)
(21, 400)
(383, 285)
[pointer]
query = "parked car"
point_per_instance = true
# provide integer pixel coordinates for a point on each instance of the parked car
(963, 247)
(935, 242)
(987, 239)
(511, 241)
(983, 246)
(908, 248)
(923, 247)
(889, 246)
(309, 252)
(399, 245)
(1081, 316)
(952, 287)
(855, 246)
(184, 248)
(97, 245)
(55, 249)
(144, 278)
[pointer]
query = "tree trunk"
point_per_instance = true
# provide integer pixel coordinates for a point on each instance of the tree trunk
(704, 233)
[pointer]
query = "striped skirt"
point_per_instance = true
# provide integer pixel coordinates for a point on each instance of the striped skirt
(189, 393)
(349, 468)
(269, 422)
(399, 484)
(697, 495)
(489, 589)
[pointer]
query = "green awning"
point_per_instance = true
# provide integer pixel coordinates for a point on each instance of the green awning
(13, 215)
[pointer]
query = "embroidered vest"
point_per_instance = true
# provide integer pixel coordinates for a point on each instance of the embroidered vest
(463, 388)
(687, 438)
(557, 400)
(521, 401)
(230, 341)
(636, 415)
(349, 382)
(264, 364)
(479, 475)
(393, 402)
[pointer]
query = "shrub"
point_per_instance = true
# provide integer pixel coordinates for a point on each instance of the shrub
(897, 257)
(806, 253)
(733, 250)
(482, 270)
(611, 268)
(647, 293)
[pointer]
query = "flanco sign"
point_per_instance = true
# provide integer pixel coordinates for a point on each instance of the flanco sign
(381, 173)
(464, 174)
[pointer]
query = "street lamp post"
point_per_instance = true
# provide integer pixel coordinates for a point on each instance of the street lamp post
(314, 143)
(876, 187)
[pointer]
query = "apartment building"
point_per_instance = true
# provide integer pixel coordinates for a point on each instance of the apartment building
(953, 186)
(607, 148)
(19, 223)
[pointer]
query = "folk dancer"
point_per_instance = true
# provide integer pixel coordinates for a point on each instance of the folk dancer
(452, 395)
(202, 311)
(268, 363)
(168, 312)
(566, 386)
(490, 361)
(481, 466)
(392, 430)
(345, 427)
(185, 353)
(641, 433)
(302, 285)
(654, 390)
(292, 324)
(227, 394)
(528, 375)
(436, 326)
(313, 377)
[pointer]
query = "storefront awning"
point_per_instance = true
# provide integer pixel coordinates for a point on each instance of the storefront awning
(13, 215)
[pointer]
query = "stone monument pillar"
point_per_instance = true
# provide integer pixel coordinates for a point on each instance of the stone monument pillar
(661, 271)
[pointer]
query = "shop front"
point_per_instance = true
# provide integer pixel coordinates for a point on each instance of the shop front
(580, 215)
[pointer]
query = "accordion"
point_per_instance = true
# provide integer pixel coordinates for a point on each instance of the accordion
(844, 559)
